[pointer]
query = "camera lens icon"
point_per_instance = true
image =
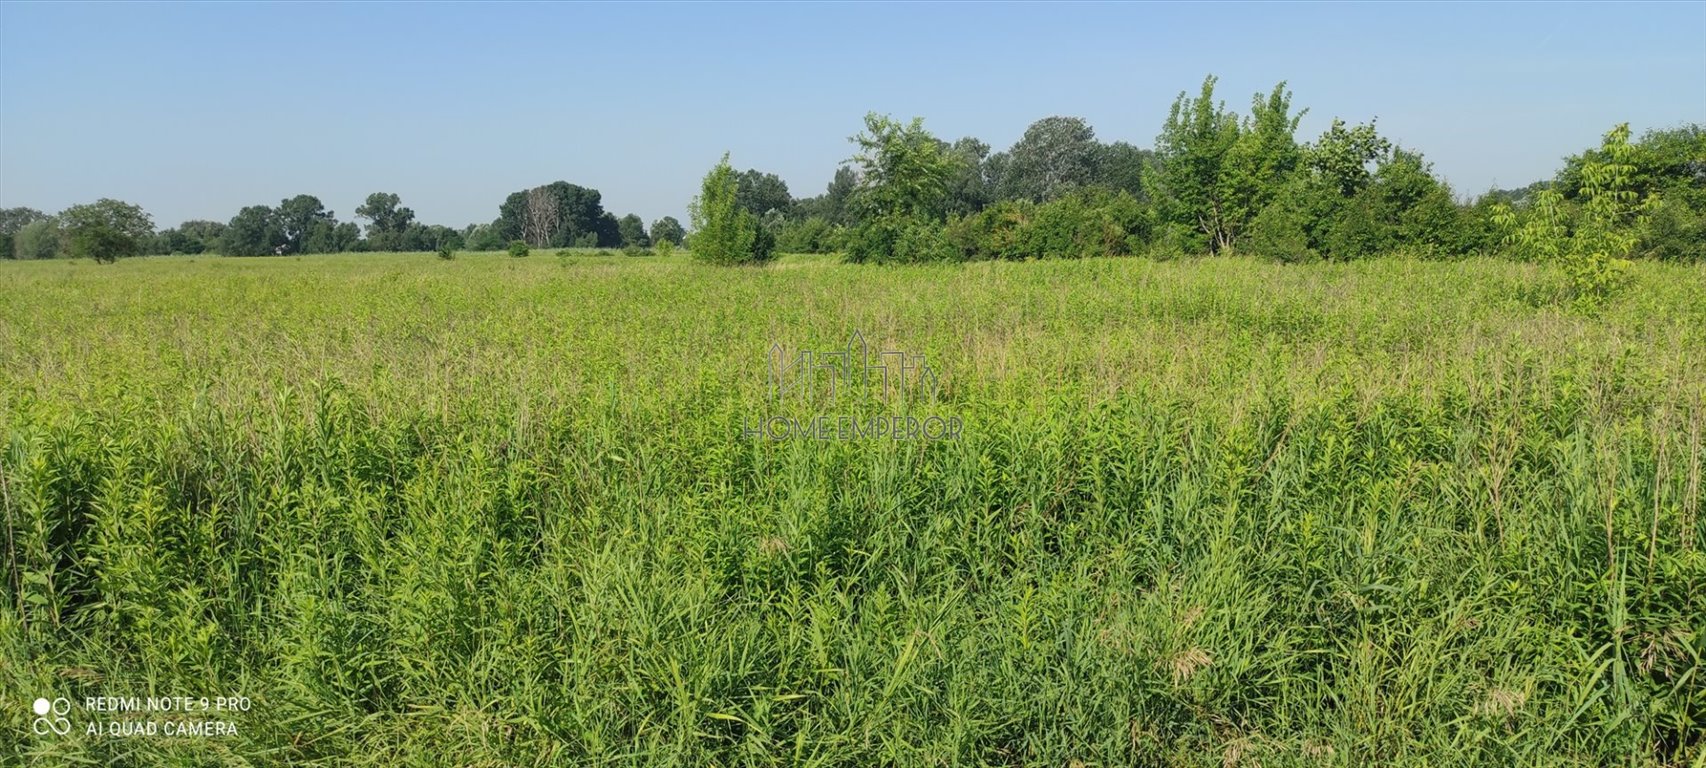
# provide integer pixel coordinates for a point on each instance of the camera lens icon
(51, 717)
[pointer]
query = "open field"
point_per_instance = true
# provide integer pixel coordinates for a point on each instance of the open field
(498, 511)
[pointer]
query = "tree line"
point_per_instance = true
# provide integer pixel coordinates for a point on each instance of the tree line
(559, 214)
(1215, 182)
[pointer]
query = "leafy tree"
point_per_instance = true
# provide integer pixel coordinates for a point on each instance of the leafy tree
(902, 169)
(302, 217)
(557, 215)
(834, 205)
(1594, 251)
(668, 230)
(608, 231)
(1120, 167)
(633, 231)
(723, 231)
(1259, 161)
(969, 189)
(1192, 150)
(385, 214)
(483, 237)
(38, 239)
(330, 237)
(898, 238)
(1281, 230)
(11, 221)
(1669, 162)
(1344, 156)
(1056, 155)
(195, 236)
(254, 231)
(105, 230)
(1414, 209)
(760, 193)
(431, 237)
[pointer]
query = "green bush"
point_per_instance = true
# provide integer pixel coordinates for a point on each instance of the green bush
(724, 232)
(1089, 223)
(810, 235)
(898, 239)
(1279, 233)
(1084, 223)
(518, 248)
(445, 253)
(1674, 233)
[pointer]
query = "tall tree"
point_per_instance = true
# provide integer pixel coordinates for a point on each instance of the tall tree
(575, 212)
(667, 229)
(299, 217)
(11, 221)
(105, 230)
(1121, 167)
(1056, 155)
(903, 170)
(254, 231)
(1345, 157)
(38, 239)
(1259, 162)
(760, 193)
(1192, 150)
(633, 232)
(833, 205)
(542, 219)
(384, 213)
(969, 189)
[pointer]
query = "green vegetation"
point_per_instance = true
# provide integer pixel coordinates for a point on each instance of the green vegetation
(725, 232)
(1204, 512)
(1216, 183)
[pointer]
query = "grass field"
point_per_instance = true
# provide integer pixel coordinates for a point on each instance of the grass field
(498, 511)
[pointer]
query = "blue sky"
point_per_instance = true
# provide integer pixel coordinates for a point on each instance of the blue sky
(195, 110)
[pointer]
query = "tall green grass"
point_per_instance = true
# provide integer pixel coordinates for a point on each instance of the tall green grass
(498, 511)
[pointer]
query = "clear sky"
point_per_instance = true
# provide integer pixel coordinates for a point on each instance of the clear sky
(195, 110)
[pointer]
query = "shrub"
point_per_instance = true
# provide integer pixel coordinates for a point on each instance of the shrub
(997, 232)
(1088, 223)
(518, 248)
(664, 248)
(1083, 223)
(1675, 233)
(810, 235)
(724, 232)
(898, 238)
(1176, 241)
(1278, 233)
(1593, 242)
(445, 253)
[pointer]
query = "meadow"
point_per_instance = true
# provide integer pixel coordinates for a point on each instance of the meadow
(498, 511)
